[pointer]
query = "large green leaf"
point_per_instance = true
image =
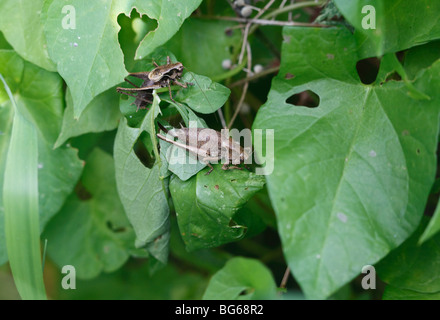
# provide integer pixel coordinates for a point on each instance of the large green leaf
(351, 176)
(399, 24)
(39, 98)
(141, 190)
(88, 56)
(20, 23)
(205, 205)
(91, 232)
(241, 278)
(411, 271)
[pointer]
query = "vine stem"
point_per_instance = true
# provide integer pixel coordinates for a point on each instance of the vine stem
(248, 28)
(245, 87)
(266, 22)
(255, 76)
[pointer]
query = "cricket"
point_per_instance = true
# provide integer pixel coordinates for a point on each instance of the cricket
(160, 77)
(208, 145)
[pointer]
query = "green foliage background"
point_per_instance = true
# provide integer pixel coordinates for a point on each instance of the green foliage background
(352, 180)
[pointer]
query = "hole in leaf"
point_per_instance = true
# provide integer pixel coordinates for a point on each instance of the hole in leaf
(113, 228)
(243, 293)
(418, 151)
(393, 76)
(368, 69)
(401, 56)
(229, 32)
(133, 29)
(306, 98)
(82, 193)
(143, 150)
(247, 292)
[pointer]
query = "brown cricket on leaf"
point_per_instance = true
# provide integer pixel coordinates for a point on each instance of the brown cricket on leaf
(208, 145)
(159, 77)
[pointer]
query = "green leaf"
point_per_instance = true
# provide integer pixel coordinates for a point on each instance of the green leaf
(205, 205)
(6, 119)
(91, 232)
(179, 161)
(169, 15)
(204, 96)
(413, 268)
(102, 114)
(39, 99)
(21, 26)
(242, 278)
(352, 176)
(390, 64)
(88, 57)
(141, 190)
(20, 200)
(393, 32)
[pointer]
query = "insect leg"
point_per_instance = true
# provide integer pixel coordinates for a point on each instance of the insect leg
(183, 85)
(135, 96)
(171, 96)
(210, 170)
(125, 79)
(227, 166)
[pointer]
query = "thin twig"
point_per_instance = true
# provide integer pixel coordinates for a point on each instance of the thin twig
(222, 118)
(289, 15)
(288, 8)
(283, 3)
(254, 77)
(248, 26)
(245, 36)
(265, 22)
(245, 87)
